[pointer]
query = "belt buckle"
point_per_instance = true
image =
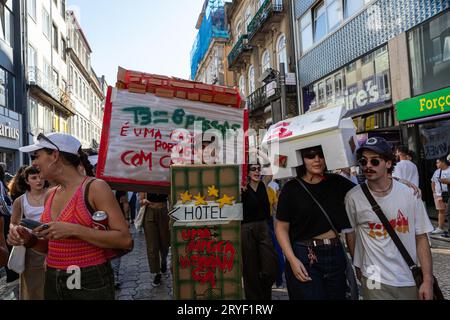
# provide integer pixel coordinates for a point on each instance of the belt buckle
(327, 242)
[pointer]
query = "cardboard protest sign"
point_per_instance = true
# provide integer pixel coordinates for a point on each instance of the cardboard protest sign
(326, 128)
(205, 239)
(138, 137)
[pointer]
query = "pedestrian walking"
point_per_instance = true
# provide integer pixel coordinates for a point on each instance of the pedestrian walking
(440, 192)
(11, 276)
(316, 264)
(384, 273)
(4, 252)
(405, 168)
(15, 187)
(444, 180)
(259, 258)
(157, 236)
(31, 206)
(69, 236)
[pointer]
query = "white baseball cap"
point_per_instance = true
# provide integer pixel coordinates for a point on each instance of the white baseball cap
(54, 141)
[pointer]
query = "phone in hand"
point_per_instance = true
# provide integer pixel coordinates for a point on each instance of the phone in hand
(30, 224)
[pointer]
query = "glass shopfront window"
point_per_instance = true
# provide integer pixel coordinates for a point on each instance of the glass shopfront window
(429, 53)
(359, 86)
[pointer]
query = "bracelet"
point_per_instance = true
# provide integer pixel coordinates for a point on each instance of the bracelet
(33, 241)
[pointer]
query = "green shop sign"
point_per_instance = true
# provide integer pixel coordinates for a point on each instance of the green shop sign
(431, 104)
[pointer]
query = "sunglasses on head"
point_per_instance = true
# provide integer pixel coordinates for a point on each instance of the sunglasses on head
(254, 169)
(374, 162)
(312, 154)
(41, 136)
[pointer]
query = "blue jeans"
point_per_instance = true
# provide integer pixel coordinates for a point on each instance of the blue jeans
(281, 260)
(327, 274)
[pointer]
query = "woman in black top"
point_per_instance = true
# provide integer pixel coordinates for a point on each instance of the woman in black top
(316, 262)
(259, 258)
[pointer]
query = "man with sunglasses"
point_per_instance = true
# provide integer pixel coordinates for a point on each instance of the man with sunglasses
(385, 274)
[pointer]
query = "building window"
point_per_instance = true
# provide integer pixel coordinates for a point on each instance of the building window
(238, 30)
(334, 14)
(281, 52)
(383, 85)
(34, 114)
(321, 92)
(320, 22)
(63, 49)
(55, 78)
(46, 25)
(429, 50)
(306, 33)
(251, 80)
(351, 67)
(367, 58)
(6, 26)
(248, 18)
(63, 9)
(338, 85)
(352, 6)
(55, 37)
(242, 86)
(265, 61)
(31, 4)
(329, 88)
(3, 87)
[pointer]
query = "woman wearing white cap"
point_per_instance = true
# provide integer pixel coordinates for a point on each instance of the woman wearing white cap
(77, 263)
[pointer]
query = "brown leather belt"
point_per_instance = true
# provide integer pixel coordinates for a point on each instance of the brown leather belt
(319, 242)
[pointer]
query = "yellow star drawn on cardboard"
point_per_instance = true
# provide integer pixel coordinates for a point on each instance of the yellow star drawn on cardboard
(225, 200)
(213, 192)
(186, 197)
(200, 200)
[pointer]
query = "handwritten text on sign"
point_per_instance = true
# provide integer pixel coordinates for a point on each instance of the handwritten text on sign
(210, 212)
(206, 255)
(140, 137)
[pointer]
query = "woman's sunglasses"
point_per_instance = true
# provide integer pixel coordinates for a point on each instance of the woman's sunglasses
(312, 154)
(374, 162)
(41, 136)
(254, 169)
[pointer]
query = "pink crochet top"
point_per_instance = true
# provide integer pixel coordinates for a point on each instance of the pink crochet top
(72, 252)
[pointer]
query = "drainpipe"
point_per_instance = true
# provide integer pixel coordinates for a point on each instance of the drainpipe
(24, 88)
(296, 47)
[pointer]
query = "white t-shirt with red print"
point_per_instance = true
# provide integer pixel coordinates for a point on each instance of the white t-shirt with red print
(375, 253)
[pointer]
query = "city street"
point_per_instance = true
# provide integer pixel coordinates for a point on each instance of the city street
(135, 277)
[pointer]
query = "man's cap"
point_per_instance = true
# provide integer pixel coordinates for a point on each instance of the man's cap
(376, 144)
(65, 142)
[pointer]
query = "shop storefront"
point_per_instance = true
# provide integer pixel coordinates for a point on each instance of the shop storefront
(426, 130)
(10, 135)
(425, 119)
(364, 88)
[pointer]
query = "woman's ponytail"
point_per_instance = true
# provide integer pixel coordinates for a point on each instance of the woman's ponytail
(84, 160)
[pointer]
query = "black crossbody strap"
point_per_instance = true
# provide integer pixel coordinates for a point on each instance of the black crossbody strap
(319, 205)
(394, 236)
(86, 197)
(440, 175)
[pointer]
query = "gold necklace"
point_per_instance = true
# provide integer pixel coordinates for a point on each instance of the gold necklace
(38, 199)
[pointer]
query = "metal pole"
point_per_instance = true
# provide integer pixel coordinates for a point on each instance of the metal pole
(296, 51)
(283, 91)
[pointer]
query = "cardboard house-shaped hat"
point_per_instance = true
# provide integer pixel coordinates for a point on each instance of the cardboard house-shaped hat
(326, 128)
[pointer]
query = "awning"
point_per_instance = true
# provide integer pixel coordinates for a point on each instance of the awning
(427, 119)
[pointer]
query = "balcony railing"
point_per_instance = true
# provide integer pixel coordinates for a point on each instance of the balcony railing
(38, 78)
(259, 98)
(264, 13)
(240, 46)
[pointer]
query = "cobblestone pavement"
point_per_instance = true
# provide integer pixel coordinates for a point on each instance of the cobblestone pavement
(136, 280)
